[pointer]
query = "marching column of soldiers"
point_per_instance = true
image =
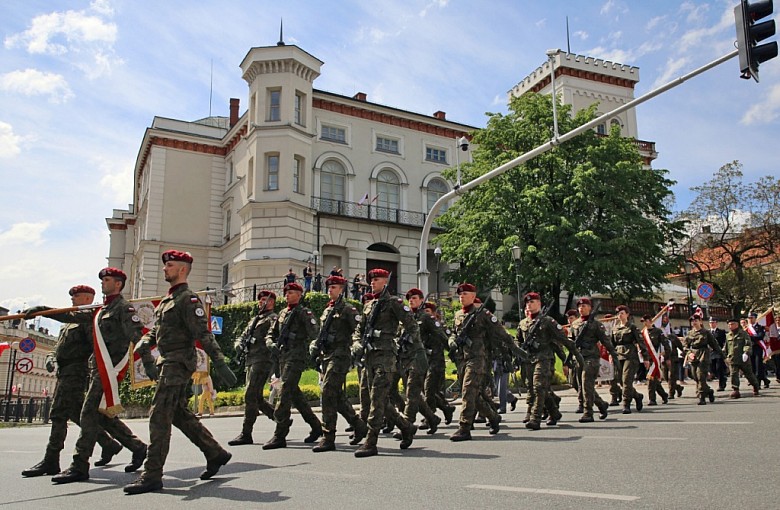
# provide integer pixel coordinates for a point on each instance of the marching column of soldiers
(389, 340)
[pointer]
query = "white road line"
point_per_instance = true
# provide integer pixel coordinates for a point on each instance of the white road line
(326, 474)
(638, 438)
(555, 492)
(683, 422)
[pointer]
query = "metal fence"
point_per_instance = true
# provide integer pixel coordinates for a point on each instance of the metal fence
(368, 212)
(33, 409)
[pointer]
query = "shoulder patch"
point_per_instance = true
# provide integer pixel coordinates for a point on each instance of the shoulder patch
(308, 312)
(312, 320)
(494, 319)
(136, 318)
(199, 312)
(194, 299)
(559, 326)
(130, 309)
(406, 308)
(400, 300)
(358, 317)
(438, 324)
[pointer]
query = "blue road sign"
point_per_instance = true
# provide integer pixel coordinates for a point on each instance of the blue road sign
(705, 291)
(216, 325)
(27, 345)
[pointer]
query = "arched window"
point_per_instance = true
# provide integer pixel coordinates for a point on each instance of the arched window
(613, 123)
(332, 181)
(389, 189)
(436, 189)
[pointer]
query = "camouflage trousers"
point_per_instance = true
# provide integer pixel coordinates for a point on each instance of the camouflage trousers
(630, 367)
(365, 394)
(380, 372)
(257, 375)
(291, 395)
(615, 385)
(94, 422)
(654, 386)
(746, 369)
(587, 394)
(670, 370)
(541, 388)
(700, 372)
(414, 381)
(334, 401)
(66, 405)
(433, 388)
(169, 407)
(548, 401)
(472, 399)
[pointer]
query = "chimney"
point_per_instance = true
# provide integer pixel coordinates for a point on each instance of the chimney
(234, 102)
(360, 96)
(440, 115)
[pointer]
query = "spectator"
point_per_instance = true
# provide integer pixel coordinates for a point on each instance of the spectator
(307, 272)
(356, 287)
(334, 271)
(318, 283)
(290, 277)
(208, 395)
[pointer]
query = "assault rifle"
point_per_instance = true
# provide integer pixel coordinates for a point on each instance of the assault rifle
(405, 341)
(284, 332)
(462, 337)
(371, 332)
(325, 338)
(569, 361)
(242, 349)
(529, 342)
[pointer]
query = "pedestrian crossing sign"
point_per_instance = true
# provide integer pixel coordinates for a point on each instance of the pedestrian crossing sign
(216, 325)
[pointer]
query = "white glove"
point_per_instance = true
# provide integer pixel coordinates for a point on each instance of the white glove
(744, 357)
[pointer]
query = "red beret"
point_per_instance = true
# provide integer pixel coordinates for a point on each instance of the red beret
(531, 296)
(415, 292)
(430, 306)
(623, 308)
(584, 301)
(335, 280)
(113, 272)
(81, 289)
(466, 287)
(378, 273)
(367, 297)
(477, 300)
(266, 293)
(696, 317)
(293, 286)
(177, 256)
(572, 313)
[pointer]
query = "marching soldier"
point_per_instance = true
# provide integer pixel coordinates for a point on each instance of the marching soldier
(475, 328)
(70, 357)
(698, 344)
(537, 335)
(738, 347)
(332, 351)
(654, 386)
(374, 338)
(435, 341)
(625, 337)
(115, 326)
(180, 321)
(587, 333)
(673, 363)
(292, 332)
(414, 362)
(259, 365)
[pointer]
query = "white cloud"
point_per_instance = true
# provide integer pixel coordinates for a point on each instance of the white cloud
(765, 111)
(581, 34)
(613, 7)
(117, 180)
(673, 66)
(102, 7)
(32, 82)
(29, 234)
(441, 4)
(9, 142)
(654, 22)
(694, 12)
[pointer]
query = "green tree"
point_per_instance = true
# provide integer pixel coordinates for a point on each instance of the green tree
(734, 232)
(587, 214)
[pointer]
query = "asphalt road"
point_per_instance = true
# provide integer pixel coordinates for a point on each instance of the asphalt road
(671, 456)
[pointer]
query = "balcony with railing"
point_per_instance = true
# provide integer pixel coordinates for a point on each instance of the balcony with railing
(368, 212)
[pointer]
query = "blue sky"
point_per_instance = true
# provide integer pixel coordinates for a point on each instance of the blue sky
(80, 81)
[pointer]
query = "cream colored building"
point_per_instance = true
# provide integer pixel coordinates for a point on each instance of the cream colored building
(303, 175)
(37, 382)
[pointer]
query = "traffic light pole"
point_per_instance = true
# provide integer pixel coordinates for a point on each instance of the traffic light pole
(423, 273)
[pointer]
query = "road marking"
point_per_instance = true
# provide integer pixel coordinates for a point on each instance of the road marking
(555, 492)
(327, 474)
(682, 422)
(638, 438)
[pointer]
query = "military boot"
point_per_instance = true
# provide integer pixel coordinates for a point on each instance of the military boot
(735, 394)
(368, 449)
(213, 465)
(108, 453)
(449, 411)
(679, 390)
(461, 435)
(664, 396)
(603, 411)
(614, 402)
(533, 425)
(275, 442)
(408, 436)
(423, 424)
(495, 425)
(554, 417)
(142, 486)
(711, 395)
(433, 425)
(242, 438)
(527, 417)
(361, 429)
(579, 409)
(586, 418)
(50, 465)
(313, 435)
(638, 401)
(702, 401)
(70, 475)
(755, 391)
(627, 407)
(138, 459)
(327, 443)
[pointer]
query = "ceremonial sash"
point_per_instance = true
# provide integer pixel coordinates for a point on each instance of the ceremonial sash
(110, 374)
(768, 320)
(654, 371)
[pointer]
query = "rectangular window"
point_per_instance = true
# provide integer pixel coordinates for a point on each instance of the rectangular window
(250, 178)
(387, 145)
(299, 105)
(230, 173)
(225, 273)
(436, 155)
(273, 172)
(333, 134)
(274, 105)
(296, 175)
(227, 224)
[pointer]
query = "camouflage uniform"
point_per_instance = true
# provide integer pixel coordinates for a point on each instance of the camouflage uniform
(434, 338)
(71, 352)
(333, 350)
(119, 326)
(537, 335)
(180, 320)
(654, 384)
(627, 343)
(587, 334)
(698, 343)
(291, 333)
(259, 365)
(414, 365)
(380, 352)
(673, 363)
(738, 343)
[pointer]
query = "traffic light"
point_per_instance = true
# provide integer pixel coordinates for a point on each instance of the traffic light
(750, 33)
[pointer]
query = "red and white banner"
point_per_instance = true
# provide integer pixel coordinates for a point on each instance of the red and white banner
(4, 346)
(110, 374)
(654, 372)
(771, 341)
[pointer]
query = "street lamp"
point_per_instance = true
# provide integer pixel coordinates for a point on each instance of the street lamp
(517, 257)
(437, 254)
(769, 279)
(688, 270)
